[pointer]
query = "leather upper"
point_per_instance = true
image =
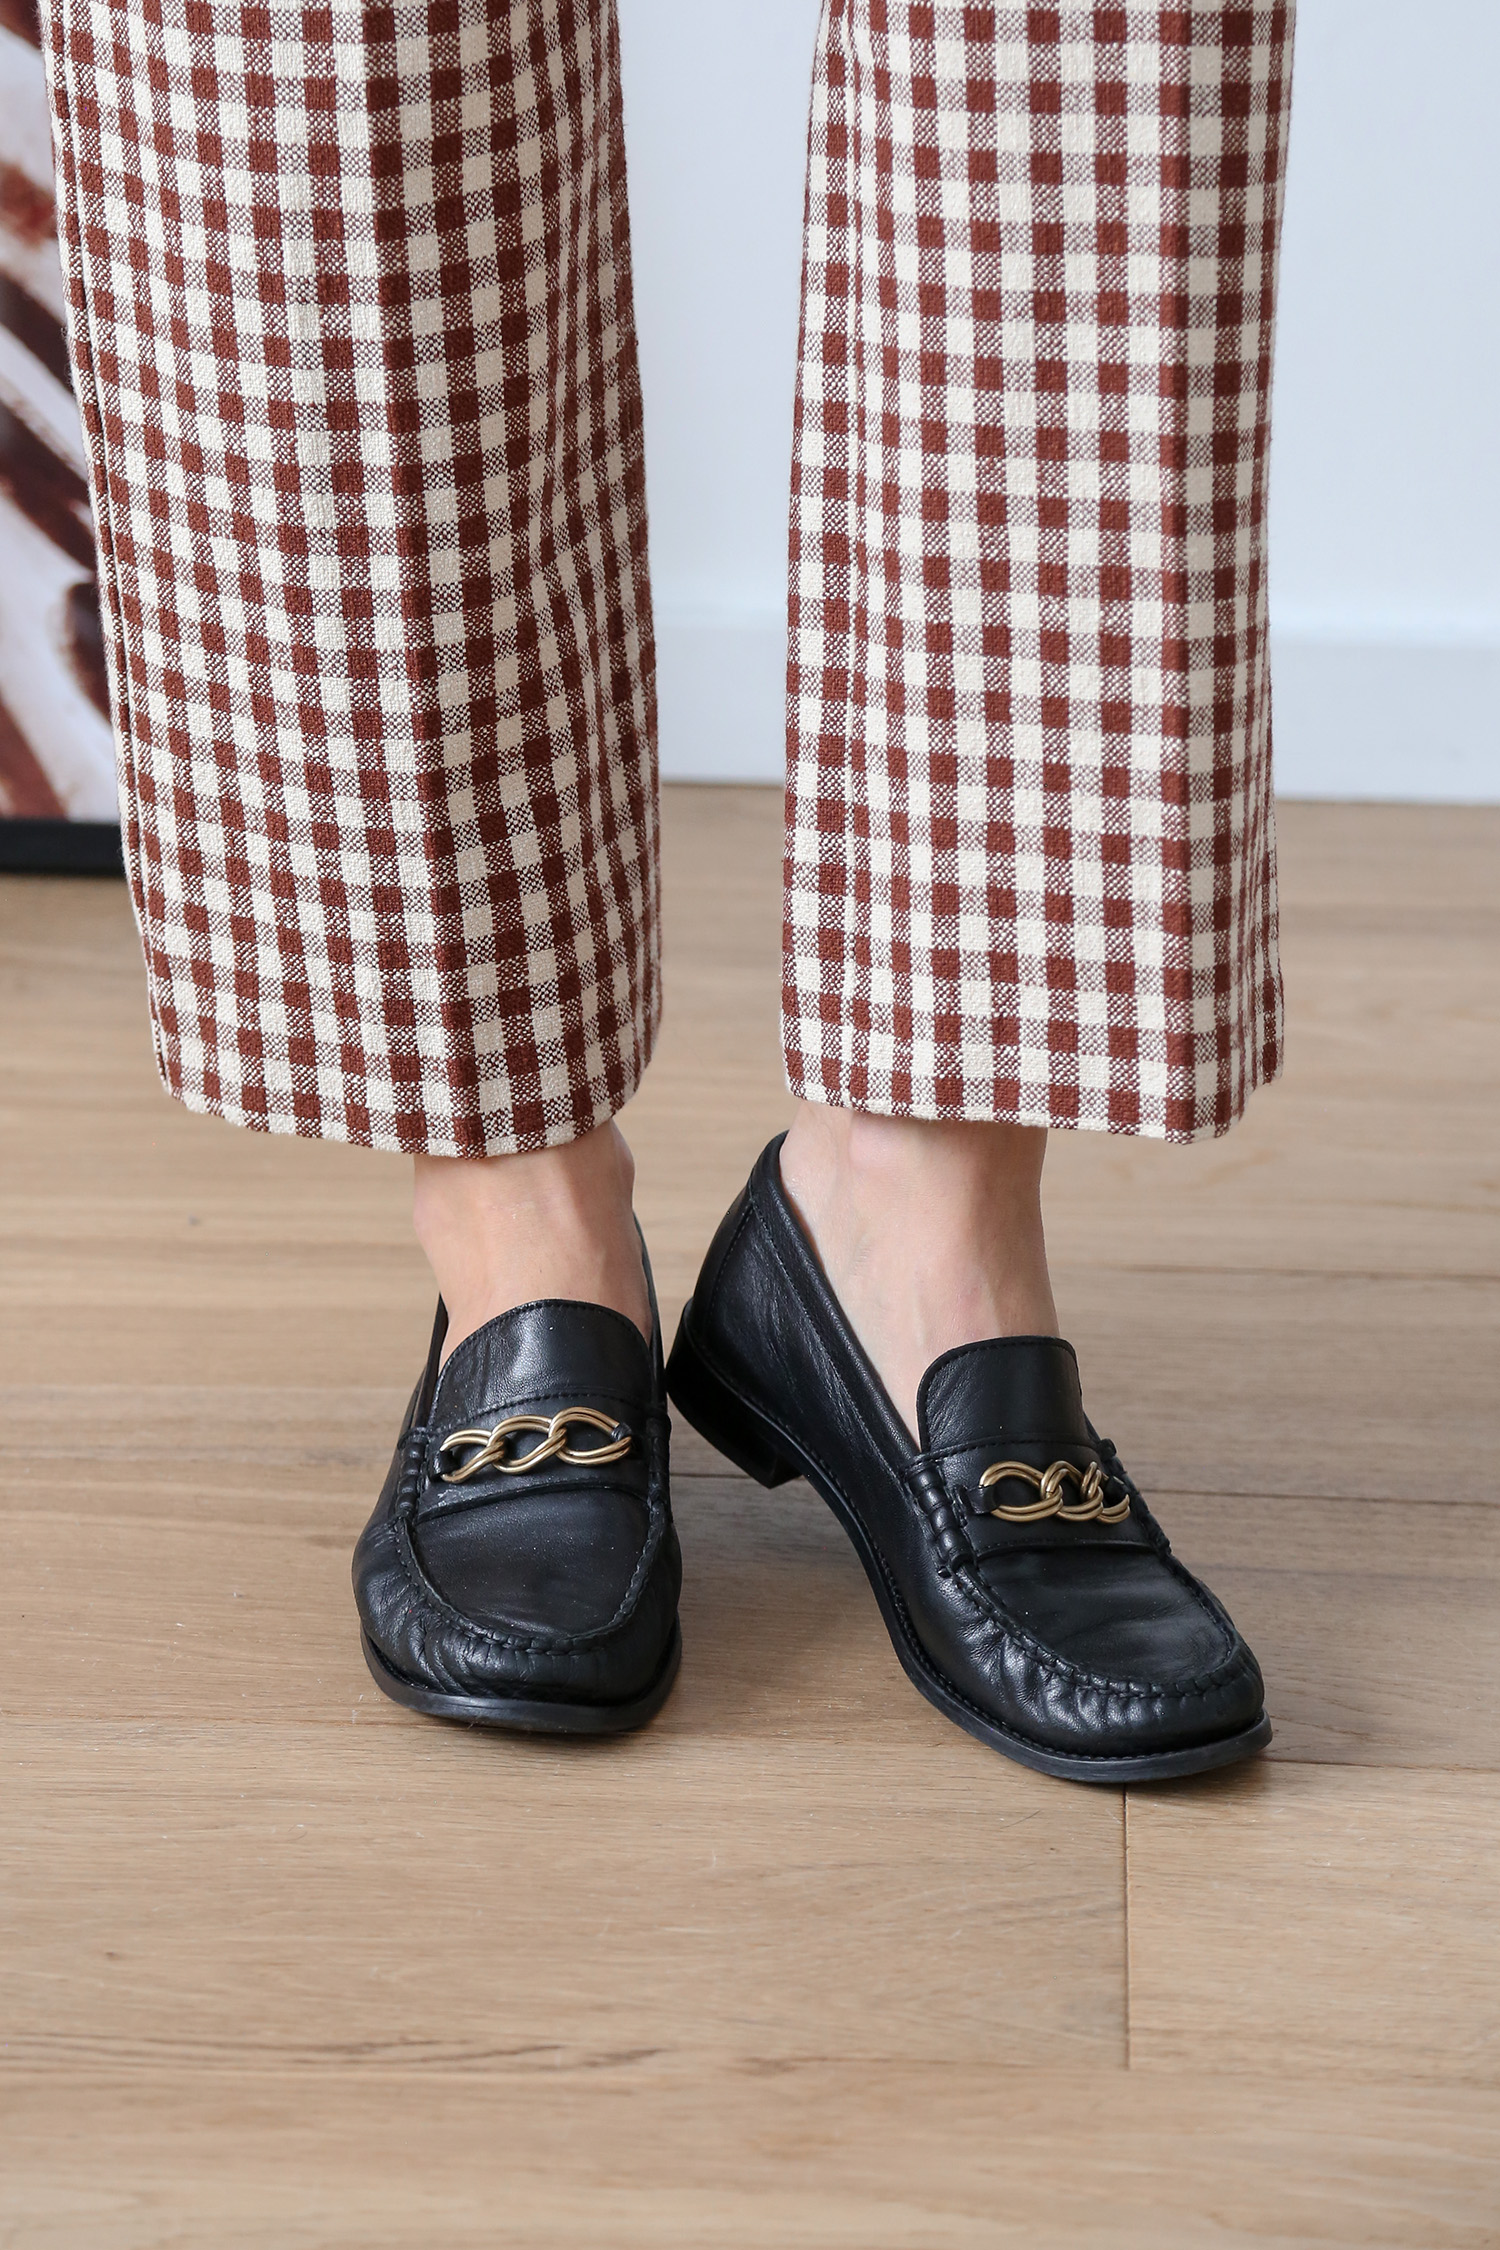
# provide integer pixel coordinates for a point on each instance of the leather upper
(1085, 1637)
(531, 1574)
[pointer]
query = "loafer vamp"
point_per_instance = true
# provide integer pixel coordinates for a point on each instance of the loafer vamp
(1108, 1651)
(1095, 1652)
(423, 1639)
(1103, 1634)
(1118, 1613)
(563, 1563)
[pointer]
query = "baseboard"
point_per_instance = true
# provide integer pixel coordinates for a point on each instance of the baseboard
(60, 847)
(721, 690)
(1411, 721)
(1416, 721)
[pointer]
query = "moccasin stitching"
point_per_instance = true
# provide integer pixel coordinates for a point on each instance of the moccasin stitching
(988, 1718)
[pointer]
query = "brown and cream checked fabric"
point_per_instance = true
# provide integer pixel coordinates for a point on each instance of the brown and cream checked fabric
(351, 317)
(1030, 860)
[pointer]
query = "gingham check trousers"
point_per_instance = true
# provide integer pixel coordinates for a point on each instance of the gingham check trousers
(352, 329)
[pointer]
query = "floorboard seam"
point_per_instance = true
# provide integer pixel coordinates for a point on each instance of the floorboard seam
(1125, 1893)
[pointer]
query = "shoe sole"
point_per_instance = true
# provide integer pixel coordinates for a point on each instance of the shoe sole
(772, 1456)
(514, 1714)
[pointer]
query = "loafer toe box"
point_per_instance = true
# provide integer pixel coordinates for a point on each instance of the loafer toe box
(442, 1614)
(1119, 1650)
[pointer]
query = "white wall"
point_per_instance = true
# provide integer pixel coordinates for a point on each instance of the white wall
(1385, 533)
(716, 95)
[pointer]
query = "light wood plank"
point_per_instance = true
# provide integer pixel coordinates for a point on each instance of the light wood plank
(834, 2154)
(432, 1896)
(1267, 1383)
(1318, 1919)
(1377, 1625)
(170, 1598)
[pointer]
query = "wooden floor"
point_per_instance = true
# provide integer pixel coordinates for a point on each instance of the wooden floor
(285, 1966)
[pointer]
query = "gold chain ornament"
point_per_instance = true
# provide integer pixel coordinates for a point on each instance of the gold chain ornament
(1051, 1488)
(494, 1444)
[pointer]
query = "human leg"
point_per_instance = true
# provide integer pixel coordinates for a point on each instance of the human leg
(1030, 870)
(1030, 860)
(1030, 867)
(930, 1233)
(502, 1230)
(352, 339)
(350, 313)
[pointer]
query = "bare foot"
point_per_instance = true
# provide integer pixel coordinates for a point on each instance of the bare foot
(930, 1235)
(501, 1230)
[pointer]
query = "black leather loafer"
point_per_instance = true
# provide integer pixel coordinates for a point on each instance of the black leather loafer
(1028, 1591)
(521, 1569)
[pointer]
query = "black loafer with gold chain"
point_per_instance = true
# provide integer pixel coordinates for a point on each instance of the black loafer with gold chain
(521, 1569)
(1028, 1590)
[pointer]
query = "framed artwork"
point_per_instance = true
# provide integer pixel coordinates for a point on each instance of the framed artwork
(58, 808)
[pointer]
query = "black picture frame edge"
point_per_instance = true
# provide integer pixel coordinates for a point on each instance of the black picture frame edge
(60, 847)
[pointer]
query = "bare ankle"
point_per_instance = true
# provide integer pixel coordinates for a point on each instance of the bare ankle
(911, 1169)
(501, 1231)
(931, 1234)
